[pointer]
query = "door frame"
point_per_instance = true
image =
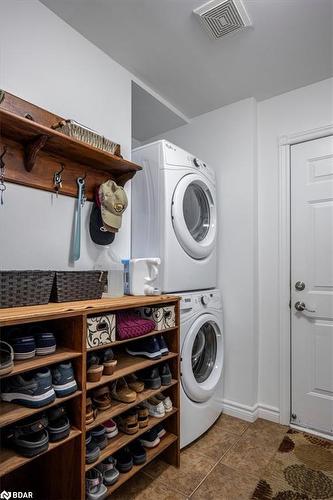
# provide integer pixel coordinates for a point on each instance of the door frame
(285, 143)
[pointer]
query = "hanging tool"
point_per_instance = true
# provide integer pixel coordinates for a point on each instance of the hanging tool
(3, 187)
(57, 179)
(81, 198)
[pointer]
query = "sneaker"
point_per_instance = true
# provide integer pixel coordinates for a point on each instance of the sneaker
(24, 346)
(165, 374)
(111, 428)
(31, 390)
(63, 379)
(98, 434)
(58, 423)
(150, 439)
(6, 358)
(151, 378)
(148, 347)
(163, 345)
(30, 437)
(160, 430)
(124, 460)
(92, 450)
(155, 408)
(108, 470)
(165, 400)
(138, 453)
(45, 342)
(95, 488)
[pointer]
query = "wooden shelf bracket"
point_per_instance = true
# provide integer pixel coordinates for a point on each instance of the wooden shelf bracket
(32, 149)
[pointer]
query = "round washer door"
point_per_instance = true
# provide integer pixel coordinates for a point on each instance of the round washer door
(194, 216)
(202, 358)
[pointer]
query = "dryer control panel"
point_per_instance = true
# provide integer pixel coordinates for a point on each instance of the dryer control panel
(194, 301)
(175, 156)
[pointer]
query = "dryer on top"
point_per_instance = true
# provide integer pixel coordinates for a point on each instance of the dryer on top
(174, 216)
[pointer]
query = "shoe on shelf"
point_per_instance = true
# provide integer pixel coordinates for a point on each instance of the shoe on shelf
(160, 430)
(24, 345)
(108, 470)
(163, 345)
(150, 439)
(128, 422)
(108, 362)
(138, 453)
(166, 400)
(33, 390)
(45, 341)
(143, 415)
(29, 437)
(151, 378)
(148, 347)
(90, 412)
(124, 460)
(98, 434)
(165, 373)
(92, 450)
(58, 423)
(155, 408)
(102, 398)
(95, 488)
(121, 392)
(6, 358)
(94, 368)
(134, 383)
(63, 379)
(111, 428)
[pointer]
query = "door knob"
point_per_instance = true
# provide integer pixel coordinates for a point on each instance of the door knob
(300, 306)
(299, 285)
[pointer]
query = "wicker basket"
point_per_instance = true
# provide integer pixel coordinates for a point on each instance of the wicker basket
(85, 134)
(25, 288)
(78, 285)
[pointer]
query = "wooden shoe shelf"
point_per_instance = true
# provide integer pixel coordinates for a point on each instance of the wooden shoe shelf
(59, 472)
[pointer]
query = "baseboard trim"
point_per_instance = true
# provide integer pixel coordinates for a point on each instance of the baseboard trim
(251, 413)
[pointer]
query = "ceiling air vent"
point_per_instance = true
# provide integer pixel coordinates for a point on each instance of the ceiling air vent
(223, 17)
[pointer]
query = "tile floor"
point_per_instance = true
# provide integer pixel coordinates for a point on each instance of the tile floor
(224, 464)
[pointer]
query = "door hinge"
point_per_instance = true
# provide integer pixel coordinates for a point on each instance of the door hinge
(289, 304)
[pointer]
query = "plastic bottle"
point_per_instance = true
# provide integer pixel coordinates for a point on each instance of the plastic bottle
(110, 262)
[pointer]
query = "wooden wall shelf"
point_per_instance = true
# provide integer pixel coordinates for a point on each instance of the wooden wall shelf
(35, 152)
(69, 323)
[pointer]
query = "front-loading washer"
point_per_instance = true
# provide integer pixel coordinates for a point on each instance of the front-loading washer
(202, 357)
(174, 216)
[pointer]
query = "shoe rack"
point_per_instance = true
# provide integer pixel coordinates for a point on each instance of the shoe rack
(59, 472)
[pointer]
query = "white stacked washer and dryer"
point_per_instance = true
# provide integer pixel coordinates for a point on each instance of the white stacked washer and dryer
(174, 217)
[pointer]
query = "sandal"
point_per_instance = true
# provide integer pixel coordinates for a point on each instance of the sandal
(109, 471)
(128, 422)
(108, 361)
(102, 398)
(121, 392)
(95, 370)
(95, 489)
(6, 358)
(90, 412)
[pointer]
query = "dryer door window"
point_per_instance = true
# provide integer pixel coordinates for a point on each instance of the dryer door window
(202, 359)
(194, 215)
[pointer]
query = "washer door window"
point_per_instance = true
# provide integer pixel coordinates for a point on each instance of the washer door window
(202, 359)
(194, 216)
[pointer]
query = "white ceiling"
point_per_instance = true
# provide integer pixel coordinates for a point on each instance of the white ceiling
(163, 44)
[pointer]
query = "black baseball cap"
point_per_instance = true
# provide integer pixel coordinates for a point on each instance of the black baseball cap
(98, 233)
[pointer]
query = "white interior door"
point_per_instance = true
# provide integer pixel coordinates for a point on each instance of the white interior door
(312, 284)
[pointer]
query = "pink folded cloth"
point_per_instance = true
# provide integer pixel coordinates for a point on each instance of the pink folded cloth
(130, 325)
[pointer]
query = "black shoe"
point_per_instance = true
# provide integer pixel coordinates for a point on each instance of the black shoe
(124, 460)
(148, 347)
(58, 423)
(165, 374)
(138, 453)
(163, 345)
(30, 437)
(151, 378)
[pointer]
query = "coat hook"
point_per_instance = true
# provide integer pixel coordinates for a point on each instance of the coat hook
(57, 179)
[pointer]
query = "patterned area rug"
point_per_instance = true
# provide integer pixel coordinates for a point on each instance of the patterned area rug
(302, 469)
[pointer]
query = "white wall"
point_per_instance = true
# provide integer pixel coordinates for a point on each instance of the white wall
(300, 110)
(226, 139)
(46, 62)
